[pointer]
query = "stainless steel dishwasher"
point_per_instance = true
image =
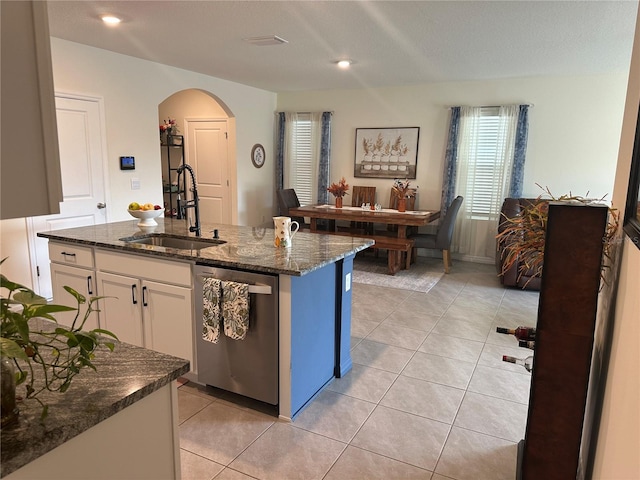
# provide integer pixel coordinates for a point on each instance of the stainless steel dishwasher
(248, 367)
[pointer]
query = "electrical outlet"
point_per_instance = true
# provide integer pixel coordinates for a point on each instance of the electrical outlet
(347, 282)
(135, 184)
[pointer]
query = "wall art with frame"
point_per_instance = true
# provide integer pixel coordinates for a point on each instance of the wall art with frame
(386, 152)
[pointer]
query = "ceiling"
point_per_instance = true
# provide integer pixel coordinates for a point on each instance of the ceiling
(392, 43)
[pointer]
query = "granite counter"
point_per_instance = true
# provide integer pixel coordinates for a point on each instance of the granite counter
(247, 248)
(124, 377)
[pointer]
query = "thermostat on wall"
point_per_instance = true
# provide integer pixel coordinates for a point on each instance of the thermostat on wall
(127, 163)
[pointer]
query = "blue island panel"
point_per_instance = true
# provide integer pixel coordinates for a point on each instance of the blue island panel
(313, 333)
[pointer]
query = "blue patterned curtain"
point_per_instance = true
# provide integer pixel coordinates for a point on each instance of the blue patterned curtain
(520, 150)
(450, 163)
(325, 158)
(280, 153)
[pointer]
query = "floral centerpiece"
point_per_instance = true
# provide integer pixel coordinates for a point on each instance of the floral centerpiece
(402, 190)
(168, 127)
(339, 190)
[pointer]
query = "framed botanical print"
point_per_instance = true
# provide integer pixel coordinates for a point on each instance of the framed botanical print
(386, 152)
(632, 209)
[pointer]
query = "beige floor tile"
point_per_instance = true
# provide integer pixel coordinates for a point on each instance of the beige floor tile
(286, 452)
(493, 416)
(334, 415)
(469, 455)
(456, 327)
(452, 347)
(365, 383)
(382, 356)
(189, 404)
(358, 464)
(230, 474)
(362, 327)
(398, 336)
(220, 432)
(501, 384)
(194, 467)
(424, 303)
(442, 370)
(402, 436)
(431, 400)
(414, 320)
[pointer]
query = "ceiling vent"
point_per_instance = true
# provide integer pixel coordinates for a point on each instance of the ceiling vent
(264, 41)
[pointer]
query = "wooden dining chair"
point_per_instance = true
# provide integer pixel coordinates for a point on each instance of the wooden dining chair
(360, 195)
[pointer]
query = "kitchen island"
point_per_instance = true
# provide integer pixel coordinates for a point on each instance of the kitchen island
(120, 421)
(313, 294)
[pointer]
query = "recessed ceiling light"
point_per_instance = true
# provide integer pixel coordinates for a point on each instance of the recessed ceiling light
(264, 41)
(110, 19)
(344, 63)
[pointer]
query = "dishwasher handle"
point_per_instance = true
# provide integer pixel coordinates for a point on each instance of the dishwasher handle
(260, 289)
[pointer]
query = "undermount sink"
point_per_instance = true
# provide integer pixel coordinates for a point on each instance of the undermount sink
(179, 243)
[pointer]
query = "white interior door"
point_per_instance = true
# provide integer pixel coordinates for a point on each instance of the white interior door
(80, 135)
(207, 153)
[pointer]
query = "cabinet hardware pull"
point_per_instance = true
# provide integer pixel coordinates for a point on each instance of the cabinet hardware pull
(133, 294)
(68, 254)
(144, 296)
(89, 289)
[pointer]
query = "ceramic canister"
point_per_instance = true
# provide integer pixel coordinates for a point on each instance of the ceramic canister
(284, 231)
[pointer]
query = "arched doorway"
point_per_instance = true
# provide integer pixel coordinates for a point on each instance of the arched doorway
(208, 130)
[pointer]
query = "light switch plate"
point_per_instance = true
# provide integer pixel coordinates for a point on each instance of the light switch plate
(135, 184)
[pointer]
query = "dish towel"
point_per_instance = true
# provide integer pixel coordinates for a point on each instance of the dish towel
(235, 309)
(211, 296)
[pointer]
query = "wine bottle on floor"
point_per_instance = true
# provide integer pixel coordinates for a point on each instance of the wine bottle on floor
(525, 362)
(531, 344)
(521, 333)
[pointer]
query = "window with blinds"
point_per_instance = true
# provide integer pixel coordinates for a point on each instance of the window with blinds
(302, 170)
(486, 150)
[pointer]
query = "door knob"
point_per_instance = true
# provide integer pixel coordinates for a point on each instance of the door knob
(101, 205)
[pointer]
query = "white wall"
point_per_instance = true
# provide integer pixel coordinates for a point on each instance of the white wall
(573, 135)
(618, 442)
(132, 90)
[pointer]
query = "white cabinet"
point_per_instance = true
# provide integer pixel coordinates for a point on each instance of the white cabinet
(73, 266)
(31, 182)
(152, 304)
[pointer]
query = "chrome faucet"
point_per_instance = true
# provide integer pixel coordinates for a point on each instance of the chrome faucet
(193, 203)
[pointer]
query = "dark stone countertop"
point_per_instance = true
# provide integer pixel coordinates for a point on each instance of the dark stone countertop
(247, 248)
(123, 377)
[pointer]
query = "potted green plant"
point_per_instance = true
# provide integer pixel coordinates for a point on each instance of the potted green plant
(29, 344)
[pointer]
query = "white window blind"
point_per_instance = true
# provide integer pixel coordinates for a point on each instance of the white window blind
(302, 168)
(487, 163)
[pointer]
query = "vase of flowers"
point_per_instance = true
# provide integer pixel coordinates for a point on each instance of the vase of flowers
(339, 190)
(168, 128)
(402, 190)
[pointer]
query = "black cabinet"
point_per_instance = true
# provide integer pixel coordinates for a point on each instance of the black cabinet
(174, 188)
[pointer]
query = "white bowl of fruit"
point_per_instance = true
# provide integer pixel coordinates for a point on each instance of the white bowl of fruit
(146, 213)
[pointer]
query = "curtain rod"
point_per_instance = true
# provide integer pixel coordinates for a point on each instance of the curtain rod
(490, 106)
(321, 111)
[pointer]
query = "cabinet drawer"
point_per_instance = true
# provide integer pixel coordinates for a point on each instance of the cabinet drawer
(69, 254)
(149, 268)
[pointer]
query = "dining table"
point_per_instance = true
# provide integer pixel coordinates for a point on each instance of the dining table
(389, 216)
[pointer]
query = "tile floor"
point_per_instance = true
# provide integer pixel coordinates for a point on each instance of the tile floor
(428, 397)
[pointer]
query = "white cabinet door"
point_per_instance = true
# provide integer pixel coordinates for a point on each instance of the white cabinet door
(82, 281)
(166, 316)
(121, 313)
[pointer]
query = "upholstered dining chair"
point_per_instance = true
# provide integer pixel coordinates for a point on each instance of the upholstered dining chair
(287, 199)
(441, 240)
